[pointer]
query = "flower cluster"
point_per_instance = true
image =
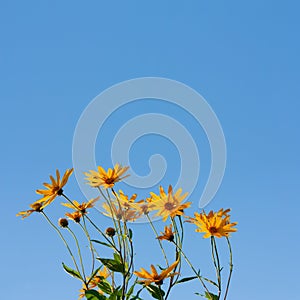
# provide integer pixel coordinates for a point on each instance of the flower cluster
(102, 281)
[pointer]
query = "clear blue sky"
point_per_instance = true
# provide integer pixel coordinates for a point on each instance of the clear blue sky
(243, 57)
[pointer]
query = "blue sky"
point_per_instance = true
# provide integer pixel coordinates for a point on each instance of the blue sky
(56, 56)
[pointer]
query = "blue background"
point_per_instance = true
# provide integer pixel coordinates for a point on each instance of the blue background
(243, 57)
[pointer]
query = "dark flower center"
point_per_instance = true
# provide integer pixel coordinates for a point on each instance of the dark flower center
(213, 229)
(109, 180)
(60, 191)
(37, 207)
(77, 219)
(160, 282)
(170, 237)
(169, 206)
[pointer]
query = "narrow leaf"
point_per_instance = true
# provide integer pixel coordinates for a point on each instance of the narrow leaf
(130, 234)
(102, 243)
(186, 279)
(112, 264)
(155, 291)
(94, 295)
(72, 272)
(117, 257)
(211, 296)
(105, 286)
(210, 281)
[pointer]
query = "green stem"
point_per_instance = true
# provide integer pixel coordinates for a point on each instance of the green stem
(69, 201)
(65, 242)
(100, 231)
(194, 270)
(160, 292)
(230, 268)
(122, 247)
(90, 242)
(79, 252)
(159, 241)
(216, 261)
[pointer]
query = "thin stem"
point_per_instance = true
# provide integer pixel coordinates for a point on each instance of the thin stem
(122, 245)
(65, 242)
(216, 261)
(230, 268)
(99, 230)
(178, 240)
(194, 270)
(79, 252)
(90, 242)
(69, 201)
(160, 293)
(159, 241)
(113, 215)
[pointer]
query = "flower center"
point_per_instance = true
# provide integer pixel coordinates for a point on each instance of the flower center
(213, 230)
(109, 180)
(169, 206)
(37, 206)
(55, 189)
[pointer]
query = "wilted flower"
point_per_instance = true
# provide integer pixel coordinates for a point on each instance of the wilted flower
(35, 207)
(167, 235)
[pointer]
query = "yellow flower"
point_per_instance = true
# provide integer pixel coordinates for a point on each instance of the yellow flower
(108, 178)
(154, 277)
(83, 206)
(143, 206)
(35, 207)
(214, 223)
(124, 200)
(115, 210)
(169, 204)
(54, 188)
(122, 207)
(75, 216)
(101, 274)
(167, 235)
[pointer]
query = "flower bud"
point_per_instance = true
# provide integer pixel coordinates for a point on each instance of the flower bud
(110, 231)
(62, 222)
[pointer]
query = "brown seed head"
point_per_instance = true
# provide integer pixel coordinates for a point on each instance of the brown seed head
(62, 222)
(110, 231)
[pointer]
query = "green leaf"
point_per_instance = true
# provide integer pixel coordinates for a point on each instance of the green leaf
(117, 257)
(130, 291)
(136, 297)
(72, 272)
(155, 292)
(102, 243)
(130, 234)
(116, 295)
(112, 264)
(210, 281)
(105, 286)
(211, 296)
(186, 279)
(94, 295)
